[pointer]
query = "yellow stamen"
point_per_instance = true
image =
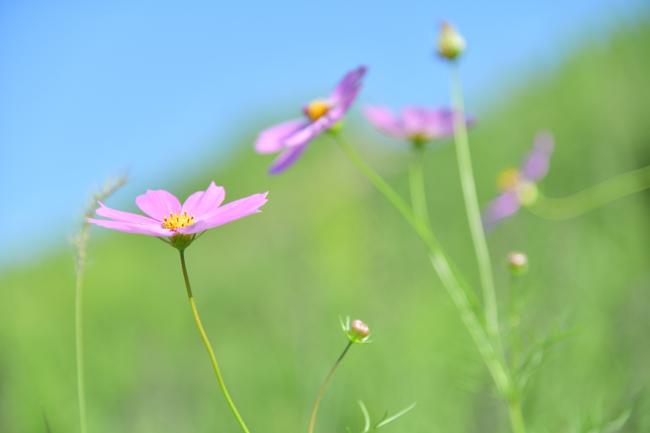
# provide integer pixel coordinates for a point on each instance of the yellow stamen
(508, 179)
(317, 109)
(176, 221)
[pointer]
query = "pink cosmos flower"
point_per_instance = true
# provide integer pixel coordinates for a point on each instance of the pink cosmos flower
(178, 224)
(416, 124)
(291, 138)
(519, 186)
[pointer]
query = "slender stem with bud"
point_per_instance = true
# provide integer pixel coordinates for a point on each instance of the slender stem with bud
(323, 388)
(208, 347)
(81, 241)
(592, 198)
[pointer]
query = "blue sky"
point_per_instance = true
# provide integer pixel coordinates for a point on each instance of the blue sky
(89, 88)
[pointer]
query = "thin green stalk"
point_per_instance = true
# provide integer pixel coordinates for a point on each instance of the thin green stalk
(208, 347)
(416, 182)
(323, 388)
(466, 173)
(516, 416)
(78, 326)
(514, 319)
(594, 197)
(81, 241)
(441, 264)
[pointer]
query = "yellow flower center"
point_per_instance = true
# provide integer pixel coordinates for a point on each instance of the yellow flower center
(317, 109)
(508, 179)
(176, 221)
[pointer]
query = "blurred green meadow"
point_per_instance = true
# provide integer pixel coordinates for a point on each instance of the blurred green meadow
(271, 287)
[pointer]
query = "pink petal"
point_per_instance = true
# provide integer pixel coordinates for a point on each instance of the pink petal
(382, 119)
(414, 120)
(440, 123)
(143, 229)
(273, 139)
(286, 159)
(128, 217)
(348, 88)
(203, 202)
(503, 206)
(313, 129)
(158, 203)
(228, 213)
(537, 162)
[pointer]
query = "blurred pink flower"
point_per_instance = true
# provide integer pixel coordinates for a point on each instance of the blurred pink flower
(175, 223)
(519, 186)
(291, 138)
(416, 124)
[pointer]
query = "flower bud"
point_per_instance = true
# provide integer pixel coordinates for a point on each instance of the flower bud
(359, 329)
(517, 263)
(451, 44)
(356, 331)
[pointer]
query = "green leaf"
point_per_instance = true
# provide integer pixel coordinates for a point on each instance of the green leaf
(366, 417)
(392, 418)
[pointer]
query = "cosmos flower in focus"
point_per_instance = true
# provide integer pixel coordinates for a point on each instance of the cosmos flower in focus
(178, 224)
(519, 185)
(418, 125)
(291, 138)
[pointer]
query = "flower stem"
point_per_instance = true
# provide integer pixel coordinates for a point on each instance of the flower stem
(472, 208)
(451, 281)
(208, 347)
(416, 182)
(514, 319)
(78, 327)
(594, 197)
(323, 388)
(516, 417)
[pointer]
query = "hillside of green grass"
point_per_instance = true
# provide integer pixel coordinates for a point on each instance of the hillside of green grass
(271, 287)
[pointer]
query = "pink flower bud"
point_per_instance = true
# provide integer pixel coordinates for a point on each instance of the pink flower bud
(517, 262)
(359, 330)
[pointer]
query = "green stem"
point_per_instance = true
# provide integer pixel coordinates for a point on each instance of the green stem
(416, 182)
(323, 388)
(78, 326)
(442, 266)
(472, 207)
(594, 197)
(452, 283)
(208, 347)
(514, 318)
(516, 417)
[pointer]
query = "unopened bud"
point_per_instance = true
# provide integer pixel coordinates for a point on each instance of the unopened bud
(356, 330)
(451, 44)
(518, 263)
(359, 329)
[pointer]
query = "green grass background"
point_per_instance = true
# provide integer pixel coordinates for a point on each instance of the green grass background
(271, 287)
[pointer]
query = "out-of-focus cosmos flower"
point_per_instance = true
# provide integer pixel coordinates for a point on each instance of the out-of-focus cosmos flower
(419, 125)
(519, 185)
(178, 224)
(291, 138)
